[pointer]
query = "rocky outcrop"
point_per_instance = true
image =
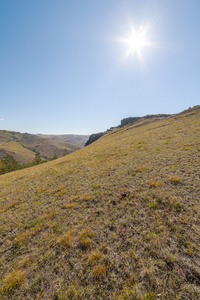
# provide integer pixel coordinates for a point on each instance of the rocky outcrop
(132, 120)
(94, 137)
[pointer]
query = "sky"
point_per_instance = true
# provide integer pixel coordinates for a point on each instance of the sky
(74, 66)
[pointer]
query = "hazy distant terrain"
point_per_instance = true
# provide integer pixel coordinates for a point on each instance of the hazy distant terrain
(23, 146)
(118, 219)
(78, 140)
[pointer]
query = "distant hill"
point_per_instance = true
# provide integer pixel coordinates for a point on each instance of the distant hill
(78, 140)
(23, 146)
(118, 219)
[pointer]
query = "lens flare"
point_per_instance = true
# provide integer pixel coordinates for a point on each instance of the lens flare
(136, 42)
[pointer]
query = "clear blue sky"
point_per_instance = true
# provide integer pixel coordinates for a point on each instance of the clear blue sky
(63, 67)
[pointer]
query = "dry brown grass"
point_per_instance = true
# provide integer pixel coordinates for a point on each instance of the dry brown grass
(118, 219)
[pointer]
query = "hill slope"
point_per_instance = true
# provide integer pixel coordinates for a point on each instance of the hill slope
(119, 219)
(127, 121)
(10, 145)
(23, 146)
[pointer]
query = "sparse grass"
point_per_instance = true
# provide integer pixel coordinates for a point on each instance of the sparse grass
(115, 220)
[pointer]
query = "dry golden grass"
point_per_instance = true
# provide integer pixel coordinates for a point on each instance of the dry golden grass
(119, 219)
(22, 154)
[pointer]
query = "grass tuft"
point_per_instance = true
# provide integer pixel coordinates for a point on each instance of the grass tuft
(175, 180)
(12, 280)
(65, 240)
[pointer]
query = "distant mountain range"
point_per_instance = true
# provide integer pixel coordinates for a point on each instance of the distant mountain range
(24, 146)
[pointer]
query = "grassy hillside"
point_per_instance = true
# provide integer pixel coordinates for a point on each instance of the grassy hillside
(9, 145)
(118, 219)
(23, 146)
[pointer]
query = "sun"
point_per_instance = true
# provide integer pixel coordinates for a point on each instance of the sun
(136, 42)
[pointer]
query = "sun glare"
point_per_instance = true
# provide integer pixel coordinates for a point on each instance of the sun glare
(136, 42)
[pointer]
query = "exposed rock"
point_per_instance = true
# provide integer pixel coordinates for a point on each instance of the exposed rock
(132, 120)
(94, 137)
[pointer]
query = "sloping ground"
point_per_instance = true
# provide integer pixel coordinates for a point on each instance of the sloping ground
(127, 121)
(23, 146)
(20, 153)
(119, 219)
